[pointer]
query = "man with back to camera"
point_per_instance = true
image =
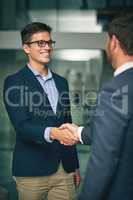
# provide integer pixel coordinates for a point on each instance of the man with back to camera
(37, 102)
(109, 173)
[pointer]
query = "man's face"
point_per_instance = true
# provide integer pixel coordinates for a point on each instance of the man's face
(39, 54)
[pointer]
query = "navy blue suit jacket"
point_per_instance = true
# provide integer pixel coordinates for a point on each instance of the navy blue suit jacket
(30, 113)
(109, 173)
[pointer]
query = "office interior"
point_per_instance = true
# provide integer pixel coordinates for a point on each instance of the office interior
(79, 29)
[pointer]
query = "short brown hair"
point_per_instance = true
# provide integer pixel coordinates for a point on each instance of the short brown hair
(122, 28)
(32, 28)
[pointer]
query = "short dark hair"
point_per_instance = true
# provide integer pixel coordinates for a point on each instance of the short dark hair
(122, 28)
(32, 28)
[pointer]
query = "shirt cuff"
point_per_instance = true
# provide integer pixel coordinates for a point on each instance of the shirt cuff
(47, 134)
(80, 128)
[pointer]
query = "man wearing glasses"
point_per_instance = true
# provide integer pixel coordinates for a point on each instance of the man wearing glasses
(37, 102)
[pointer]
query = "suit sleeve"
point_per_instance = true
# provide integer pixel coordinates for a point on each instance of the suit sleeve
(86, 135)
(67, 107)
(108, 131)
(28, 129)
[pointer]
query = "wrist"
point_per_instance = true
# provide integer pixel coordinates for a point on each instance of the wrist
(53, 133)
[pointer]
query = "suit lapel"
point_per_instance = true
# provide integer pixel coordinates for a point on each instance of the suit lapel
(32, 81)
(60, 90)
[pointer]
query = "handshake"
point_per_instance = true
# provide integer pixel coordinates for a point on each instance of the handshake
(66, 134)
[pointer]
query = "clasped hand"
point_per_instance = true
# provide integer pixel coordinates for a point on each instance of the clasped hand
(66, 134)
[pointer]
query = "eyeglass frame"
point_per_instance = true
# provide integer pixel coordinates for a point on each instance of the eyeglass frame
(45, 42)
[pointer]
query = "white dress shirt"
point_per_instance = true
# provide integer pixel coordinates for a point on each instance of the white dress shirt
(123, 68)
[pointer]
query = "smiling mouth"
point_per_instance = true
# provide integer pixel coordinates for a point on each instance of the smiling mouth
(45, 53)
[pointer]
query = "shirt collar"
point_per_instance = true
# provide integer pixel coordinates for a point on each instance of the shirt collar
(123, 68)
(37, 74)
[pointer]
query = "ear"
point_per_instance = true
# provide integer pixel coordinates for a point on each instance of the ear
(114, 43)
(26, 48)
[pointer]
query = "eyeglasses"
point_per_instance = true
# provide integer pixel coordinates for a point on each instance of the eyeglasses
(42, 43)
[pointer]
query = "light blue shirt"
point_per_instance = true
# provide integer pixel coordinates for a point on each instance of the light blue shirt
(49, 87)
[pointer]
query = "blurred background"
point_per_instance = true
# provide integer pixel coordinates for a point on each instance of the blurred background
(79, 28)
